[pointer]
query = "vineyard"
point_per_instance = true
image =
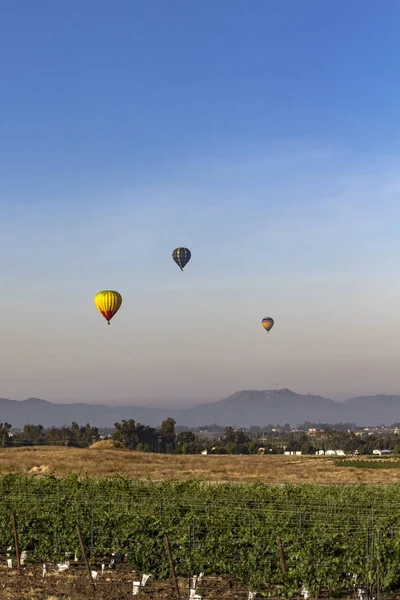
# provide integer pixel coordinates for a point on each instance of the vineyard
(271, 539)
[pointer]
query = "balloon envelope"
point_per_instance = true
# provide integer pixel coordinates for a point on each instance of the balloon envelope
(181, 256)
(108, 303)
(267, 323)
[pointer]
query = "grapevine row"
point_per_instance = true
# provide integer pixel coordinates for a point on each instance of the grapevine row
(332, 537)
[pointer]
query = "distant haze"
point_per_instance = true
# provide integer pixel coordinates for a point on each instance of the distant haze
(242, 409)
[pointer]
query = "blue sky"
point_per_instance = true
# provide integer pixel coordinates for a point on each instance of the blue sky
(265, 136)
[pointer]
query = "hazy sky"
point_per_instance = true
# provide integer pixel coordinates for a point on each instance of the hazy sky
(263, 135)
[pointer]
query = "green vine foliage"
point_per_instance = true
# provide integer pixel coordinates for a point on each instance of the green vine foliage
(333, 537)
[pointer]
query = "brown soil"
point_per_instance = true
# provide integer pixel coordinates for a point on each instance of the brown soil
(74, 584)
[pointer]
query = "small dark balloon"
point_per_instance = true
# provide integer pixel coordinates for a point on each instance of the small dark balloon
(181, 256)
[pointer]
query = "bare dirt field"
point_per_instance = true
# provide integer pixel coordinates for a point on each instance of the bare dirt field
(112, 585)
(218, 468)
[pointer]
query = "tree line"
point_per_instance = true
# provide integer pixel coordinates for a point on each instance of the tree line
(131, 435)
(166, 439)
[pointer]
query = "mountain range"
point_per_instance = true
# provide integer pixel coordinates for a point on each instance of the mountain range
(242, 409)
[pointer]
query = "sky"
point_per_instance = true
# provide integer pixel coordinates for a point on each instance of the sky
(263, 135)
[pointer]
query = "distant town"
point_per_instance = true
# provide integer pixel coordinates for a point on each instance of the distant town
(341, 439)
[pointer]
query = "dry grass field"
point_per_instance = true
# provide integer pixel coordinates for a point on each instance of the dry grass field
(217, 468)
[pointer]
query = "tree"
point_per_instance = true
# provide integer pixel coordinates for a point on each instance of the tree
(88, 435)
(254, 446)
(167, 432)
(293, 446)
(32, 434)
(229, 434)
(125, 432)
(307, 448)
(231, 447)
(185, 437)
(241, 437)
(351, 444)
(190, 448)
(4, 431)
(147, 435)
(142, 447)
(58, 435)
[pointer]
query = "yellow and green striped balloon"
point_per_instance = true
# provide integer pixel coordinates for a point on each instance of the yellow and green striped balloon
(267, 323)
(181, 256)
(108, 303)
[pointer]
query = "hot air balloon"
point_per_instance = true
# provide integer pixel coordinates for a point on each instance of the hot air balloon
(267, 323)
(181, 256)
(108, 303)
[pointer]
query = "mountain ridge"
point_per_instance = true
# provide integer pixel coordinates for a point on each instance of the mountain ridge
(241, 409)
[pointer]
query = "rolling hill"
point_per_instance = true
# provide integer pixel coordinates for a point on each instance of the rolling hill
(242, 409)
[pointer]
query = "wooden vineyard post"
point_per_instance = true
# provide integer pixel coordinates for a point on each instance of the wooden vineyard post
(378, 579)
(92, 532)
(282, 556)
(84, 556)
(171, 564)
(14, 524)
